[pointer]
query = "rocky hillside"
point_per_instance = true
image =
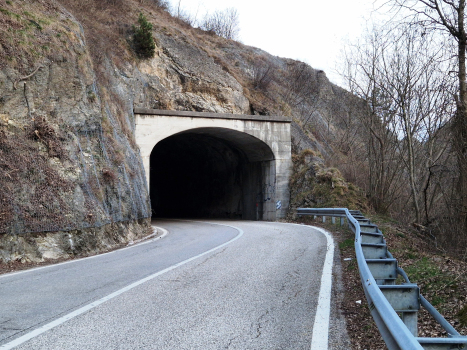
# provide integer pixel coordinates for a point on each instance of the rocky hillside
(70, 170)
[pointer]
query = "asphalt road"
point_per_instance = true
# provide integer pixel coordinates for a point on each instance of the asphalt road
(258, 290)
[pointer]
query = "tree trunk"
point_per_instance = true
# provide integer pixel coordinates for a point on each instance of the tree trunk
(411, 163)
(460, 122)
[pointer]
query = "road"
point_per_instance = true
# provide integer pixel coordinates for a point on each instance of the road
(205, 285)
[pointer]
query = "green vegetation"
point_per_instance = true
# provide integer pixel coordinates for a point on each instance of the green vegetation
(462, 314)
(92, 96)
(346, 244)
(313, 184)
(352, 265)
(6, 12)
(430, 278)
(142, 38)
(35, 24)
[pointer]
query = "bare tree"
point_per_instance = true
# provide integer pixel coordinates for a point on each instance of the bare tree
(399, 75)
(161, 4)
(263, 74)
(447, 18)
(223, 23)
(181, 13)
(363, 74)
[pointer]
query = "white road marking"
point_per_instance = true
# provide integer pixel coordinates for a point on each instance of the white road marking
(148, 239)
(320, 337)
(164, 233)
(63, 319)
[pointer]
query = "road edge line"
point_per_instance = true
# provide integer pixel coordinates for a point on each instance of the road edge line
(320, 335)
(144, 240)
(38, 331)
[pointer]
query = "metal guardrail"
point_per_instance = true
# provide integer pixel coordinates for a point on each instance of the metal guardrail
(394, 307)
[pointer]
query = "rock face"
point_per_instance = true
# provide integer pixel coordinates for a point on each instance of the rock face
(68, 160)
(317, 186)
(191, 81)
(69, 81)
(37, 247)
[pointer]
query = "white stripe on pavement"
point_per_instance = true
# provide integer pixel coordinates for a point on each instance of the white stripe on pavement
(63, 319)
(144, 240)
(320, 337)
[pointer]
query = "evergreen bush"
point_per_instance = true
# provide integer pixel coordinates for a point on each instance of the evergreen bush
(142, 38)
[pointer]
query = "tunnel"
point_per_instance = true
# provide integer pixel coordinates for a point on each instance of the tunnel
(211, 173)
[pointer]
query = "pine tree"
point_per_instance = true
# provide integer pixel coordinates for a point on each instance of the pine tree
(143, 39)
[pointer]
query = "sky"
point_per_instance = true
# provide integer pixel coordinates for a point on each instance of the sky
(312, 31)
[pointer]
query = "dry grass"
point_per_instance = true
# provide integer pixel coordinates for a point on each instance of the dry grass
(43, 132)
(31, 185)
(29, 31)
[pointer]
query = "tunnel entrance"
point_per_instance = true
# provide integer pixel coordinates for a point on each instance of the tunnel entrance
(210, 173)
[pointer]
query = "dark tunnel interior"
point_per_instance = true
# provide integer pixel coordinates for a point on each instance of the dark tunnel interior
(195, 175)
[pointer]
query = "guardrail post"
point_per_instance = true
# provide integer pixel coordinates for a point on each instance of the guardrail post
(404, 299)
(314, 217)
(386, 299)
(410, 320)
(333, 219)
(384, 271)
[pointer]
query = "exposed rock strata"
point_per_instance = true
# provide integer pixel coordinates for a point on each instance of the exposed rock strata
(68, 84)
(68, 244)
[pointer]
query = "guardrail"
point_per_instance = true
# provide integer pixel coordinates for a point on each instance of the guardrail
(394, 307)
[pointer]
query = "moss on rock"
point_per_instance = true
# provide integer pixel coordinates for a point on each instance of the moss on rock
(312, 184)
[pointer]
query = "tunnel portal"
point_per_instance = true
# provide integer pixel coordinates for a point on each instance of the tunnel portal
(201, 164)
(210, 173)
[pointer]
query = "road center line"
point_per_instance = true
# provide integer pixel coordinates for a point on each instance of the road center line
(63, 319)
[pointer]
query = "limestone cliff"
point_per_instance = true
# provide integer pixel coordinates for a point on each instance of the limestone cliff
(70, 171)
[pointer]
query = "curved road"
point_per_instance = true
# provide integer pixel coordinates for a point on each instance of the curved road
(206, 285)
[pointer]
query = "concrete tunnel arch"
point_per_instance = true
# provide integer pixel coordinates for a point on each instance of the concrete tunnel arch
(254, 149)
(211, 172)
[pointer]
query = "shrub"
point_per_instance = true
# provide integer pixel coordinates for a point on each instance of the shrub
(162, 4)
(223, 23)
(46, 134)
(108, 4)
(263, 75)
(143, 39)
(109, 175)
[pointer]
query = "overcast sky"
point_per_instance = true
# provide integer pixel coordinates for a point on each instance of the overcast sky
(312, 31)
